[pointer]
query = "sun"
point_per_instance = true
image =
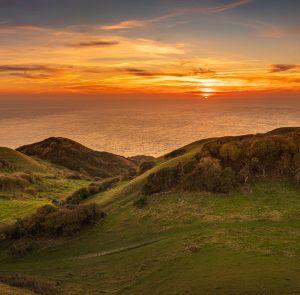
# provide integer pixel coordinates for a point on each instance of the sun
(206, 92)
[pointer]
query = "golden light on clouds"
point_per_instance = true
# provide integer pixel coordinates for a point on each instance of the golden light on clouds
(88, 60)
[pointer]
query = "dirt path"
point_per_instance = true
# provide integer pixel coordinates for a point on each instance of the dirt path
(114, 251)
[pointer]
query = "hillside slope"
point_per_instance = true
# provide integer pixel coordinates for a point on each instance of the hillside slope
(11, 160)
(180, 243)
(74, 156)
(186, 240)
(218, 165)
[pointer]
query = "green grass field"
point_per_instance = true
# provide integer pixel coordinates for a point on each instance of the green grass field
(181, 243)
(47, 189)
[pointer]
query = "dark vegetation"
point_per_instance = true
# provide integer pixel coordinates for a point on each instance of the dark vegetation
(20, 181)
(145, 166)
(175, 154)
(93, 189)
(225, 163)
(141, 202)
(51, 221)
(138, 160)
(34, 284)
(74, 156)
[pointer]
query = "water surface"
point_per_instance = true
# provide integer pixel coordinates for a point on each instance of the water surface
(151, 127)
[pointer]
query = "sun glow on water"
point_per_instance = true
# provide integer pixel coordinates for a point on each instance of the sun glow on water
(207, 92)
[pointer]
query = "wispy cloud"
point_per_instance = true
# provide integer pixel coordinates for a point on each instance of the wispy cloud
(203, 71)
(137, 23)
(33, 71)
(214, 9)
(282, 68)
(146, 73)
(183, 73)
(222, 8)
(95, 43)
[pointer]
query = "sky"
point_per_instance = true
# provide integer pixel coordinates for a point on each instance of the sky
(188, 47)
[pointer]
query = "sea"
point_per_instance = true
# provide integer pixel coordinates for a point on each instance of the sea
(131, 127)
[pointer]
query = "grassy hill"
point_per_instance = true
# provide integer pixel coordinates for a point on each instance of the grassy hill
(74, 156)
(182, 239)
(181, 243)
(11, 160)
(27, 184)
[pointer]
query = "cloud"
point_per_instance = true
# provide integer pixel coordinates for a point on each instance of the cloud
(214, 9)
(145, 73)
(203, 71)
(184, 73)
(222, 8)
(125, 25)
(135, 23)
(282, 68)
(33, 71)
(31, 76)
(95, 43)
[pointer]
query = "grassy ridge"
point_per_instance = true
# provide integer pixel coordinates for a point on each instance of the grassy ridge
(18, 161)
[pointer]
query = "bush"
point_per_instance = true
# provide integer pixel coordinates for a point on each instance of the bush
(145, 166)
(94, 188)
(10, 182)
(210, 176)
(28, 177)
(39, 286)
(78, 196)
(162, 180)
(31, 191)
(51, 221)
(230, 151)
(175, 154)
(108, 184)
(141, 202)
(20, 248)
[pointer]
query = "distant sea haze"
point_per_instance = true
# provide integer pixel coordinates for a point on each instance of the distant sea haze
(148, 127)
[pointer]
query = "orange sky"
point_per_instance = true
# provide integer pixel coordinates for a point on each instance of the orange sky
(132, 55)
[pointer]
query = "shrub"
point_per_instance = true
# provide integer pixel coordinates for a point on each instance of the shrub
(297, 177)
(78, 196)
(189, 166)
(28, 177)
(5, 165)
(20, 248)
(12, 182)
(31, 191)
(141, 202)
(230, 151)
(213, 148)
(51, 221)
(175, 154)
(39, 286)
(94, 188)
(210, 176)
(162, 180)
(107, 184)
(145, 166)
